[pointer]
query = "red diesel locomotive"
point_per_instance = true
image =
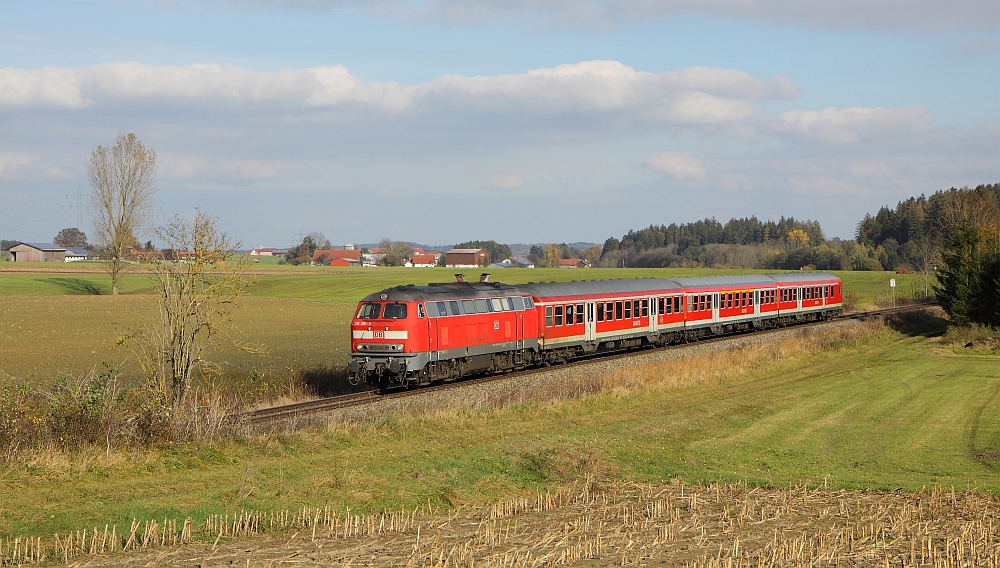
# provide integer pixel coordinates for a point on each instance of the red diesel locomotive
(415, 335)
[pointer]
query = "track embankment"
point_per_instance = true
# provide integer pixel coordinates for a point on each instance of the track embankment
(563, 381)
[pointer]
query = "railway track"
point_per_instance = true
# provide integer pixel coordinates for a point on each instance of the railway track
(368, 397)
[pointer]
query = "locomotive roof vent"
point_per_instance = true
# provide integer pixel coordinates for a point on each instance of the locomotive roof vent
(460, 277)
(484, 277)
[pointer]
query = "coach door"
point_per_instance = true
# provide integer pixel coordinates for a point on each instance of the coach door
(653, 319)
(715, 306)
(590, 324)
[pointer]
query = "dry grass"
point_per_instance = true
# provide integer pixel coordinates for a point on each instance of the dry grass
(588, 522)
(694, 366)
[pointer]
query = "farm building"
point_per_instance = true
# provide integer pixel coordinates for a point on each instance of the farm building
(39, 252)
(423, 260)
(466, 258)
(573, 263)
(74, 254)
(517, 261)
(263, 251)
(336, 257)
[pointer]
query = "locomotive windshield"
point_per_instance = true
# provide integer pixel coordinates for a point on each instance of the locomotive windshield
(369, 311)
(394, 311)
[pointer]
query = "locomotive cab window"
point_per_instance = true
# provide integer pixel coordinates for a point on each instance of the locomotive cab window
(516, 303)
(482, 306)
(468, 307)
(456, 310)
(498, 305)
(369, 311)
(420, 310)
(394, 311)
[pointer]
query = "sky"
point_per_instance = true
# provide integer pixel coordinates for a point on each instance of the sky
(440, 121)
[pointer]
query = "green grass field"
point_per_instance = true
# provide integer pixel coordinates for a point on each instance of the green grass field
(889, 411)
(67, 323)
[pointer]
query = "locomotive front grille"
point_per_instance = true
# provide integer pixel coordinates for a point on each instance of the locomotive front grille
(381, 347)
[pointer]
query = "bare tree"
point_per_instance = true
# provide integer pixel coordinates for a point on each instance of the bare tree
(121, 178)
(197, 296)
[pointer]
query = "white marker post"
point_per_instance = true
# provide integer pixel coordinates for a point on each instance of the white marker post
(892, 286)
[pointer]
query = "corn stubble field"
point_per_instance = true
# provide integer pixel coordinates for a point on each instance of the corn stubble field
(862, 443)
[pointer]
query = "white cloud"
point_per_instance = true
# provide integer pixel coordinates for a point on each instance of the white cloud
(186, 167)
(48, 86)
(509, 182)
(14, 165)
(853, 124)
(868, 14)
(695, 95)
(820, 186)
(679, 165)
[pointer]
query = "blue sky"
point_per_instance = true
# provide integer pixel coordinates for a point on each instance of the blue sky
(524, 121)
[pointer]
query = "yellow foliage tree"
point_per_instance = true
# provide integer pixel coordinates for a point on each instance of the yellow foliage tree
(798, 237)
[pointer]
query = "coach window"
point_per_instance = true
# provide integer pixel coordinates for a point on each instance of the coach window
(548, 316)
(579, 313)
(569, 314)
(628, 309)
(600, 311)
(559, 316)
(645, 308)
(618, 310)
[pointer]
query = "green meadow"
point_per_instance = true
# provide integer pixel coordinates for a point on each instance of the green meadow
(67, 323)
(883, 409)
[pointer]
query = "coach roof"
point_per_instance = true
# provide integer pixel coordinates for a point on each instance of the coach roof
(591, 287)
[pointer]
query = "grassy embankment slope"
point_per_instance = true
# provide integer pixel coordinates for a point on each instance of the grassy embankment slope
(886, 411)
(66, 323)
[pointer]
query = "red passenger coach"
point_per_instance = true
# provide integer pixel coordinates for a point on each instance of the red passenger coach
(414, 335)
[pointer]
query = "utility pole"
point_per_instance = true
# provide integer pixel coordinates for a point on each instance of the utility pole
(78, 206)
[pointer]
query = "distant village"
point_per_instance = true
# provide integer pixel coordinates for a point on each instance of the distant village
(352, 255)
(348, 255)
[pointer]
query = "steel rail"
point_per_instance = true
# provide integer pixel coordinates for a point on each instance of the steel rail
(368, 397)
